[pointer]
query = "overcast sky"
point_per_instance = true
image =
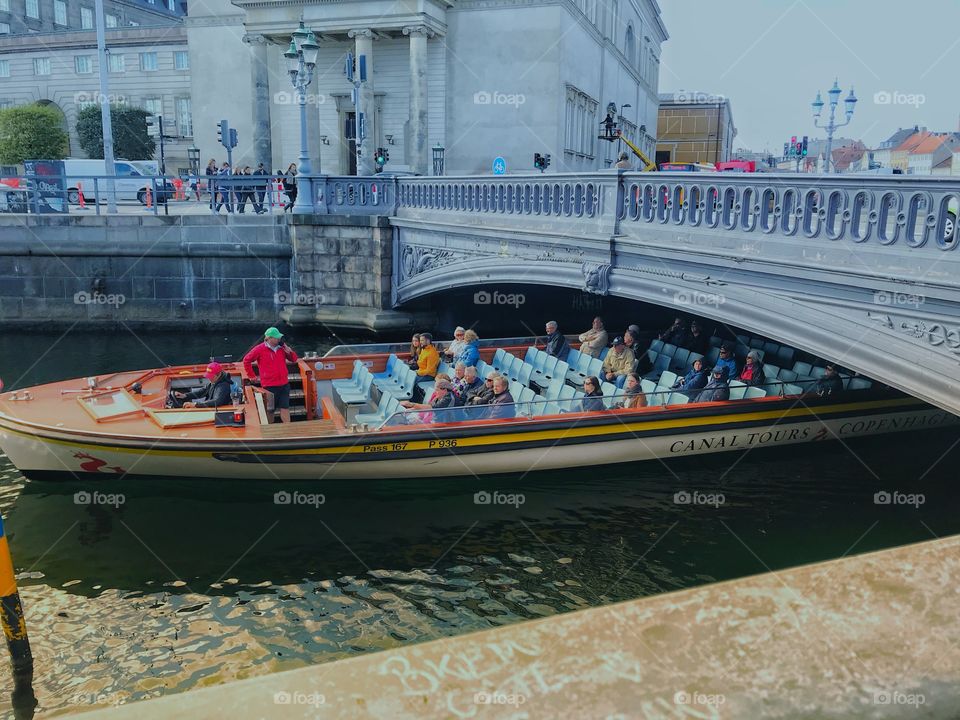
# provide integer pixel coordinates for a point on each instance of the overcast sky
(771, 56)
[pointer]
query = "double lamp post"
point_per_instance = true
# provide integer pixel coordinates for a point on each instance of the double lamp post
(301, 60)
(832, 125)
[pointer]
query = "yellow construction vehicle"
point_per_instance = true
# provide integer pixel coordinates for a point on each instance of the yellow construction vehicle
(612, 133)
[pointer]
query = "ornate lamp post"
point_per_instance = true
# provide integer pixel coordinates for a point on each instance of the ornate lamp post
(832, 125)
(301, 61)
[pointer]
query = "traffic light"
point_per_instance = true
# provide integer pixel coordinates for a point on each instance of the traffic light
(381, 157)
(804, 150)
(546, 161)
(538, 161)
(223, 133)
(233, 137)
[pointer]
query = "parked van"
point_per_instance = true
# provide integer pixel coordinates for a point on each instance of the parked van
(132, 181)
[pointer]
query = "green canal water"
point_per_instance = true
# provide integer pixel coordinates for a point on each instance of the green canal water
(184, 584)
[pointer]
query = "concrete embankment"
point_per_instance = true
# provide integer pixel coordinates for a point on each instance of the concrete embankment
(871, 636)
(327, 270)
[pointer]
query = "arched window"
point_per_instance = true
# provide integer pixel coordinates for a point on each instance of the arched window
(629, 47)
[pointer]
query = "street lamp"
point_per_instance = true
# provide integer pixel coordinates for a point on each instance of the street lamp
(832, 125)
(301, 60)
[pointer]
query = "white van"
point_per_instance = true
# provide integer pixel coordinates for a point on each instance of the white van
(131, 182)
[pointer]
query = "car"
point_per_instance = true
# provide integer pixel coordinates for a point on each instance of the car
(132, 180)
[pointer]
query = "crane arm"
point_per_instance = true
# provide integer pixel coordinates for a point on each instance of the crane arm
(648, 166)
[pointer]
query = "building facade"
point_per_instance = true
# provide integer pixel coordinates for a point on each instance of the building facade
(480, 79)
(694, 127)
(46, 16)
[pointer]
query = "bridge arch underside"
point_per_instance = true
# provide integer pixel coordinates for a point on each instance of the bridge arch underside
(903, 341)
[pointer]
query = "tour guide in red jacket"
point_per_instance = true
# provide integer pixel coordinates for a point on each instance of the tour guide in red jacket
(271, 357)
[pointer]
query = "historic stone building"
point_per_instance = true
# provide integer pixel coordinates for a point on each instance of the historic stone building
(479, 78)
(695, 127)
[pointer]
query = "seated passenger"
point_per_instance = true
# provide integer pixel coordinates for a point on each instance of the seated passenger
(717, 389)
(693, 381)
(442, 398)
(697, 340)
(676, 334)
(618, 363)
(726, 363)
(594, 340)
(468, 383)
(454, 348)
(428, 360)
(752, 373)
(631, 338)
(633, 396)
(593, 398)
(830, 384)
(216, 393)
(482, 395)
(501, 406)
(557, 344)
(414, 352)
(469, 353)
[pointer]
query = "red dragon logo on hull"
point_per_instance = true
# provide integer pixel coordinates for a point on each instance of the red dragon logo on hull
(92, 464)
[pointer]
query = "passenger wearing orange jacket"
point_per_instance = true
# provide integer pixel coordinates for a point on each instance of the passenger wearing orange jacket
(271, 357)
(428, 361)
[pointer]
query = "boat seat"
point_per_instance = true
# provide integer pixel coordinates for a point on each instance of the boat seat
(667, 379)
(657, 346)
(546, 369)
(802, 368)
(859, 383)
(388, 405)
(648, 386)
(603, 353)
(361, 395)
(657, 399)
(712, 357)
(573, 358)
(818, 372)
(756, 343)
(791, 389)
(498, 359)
(771, 348)
(531, 355)
(609, 390)
(662, 364)
(771, 372)
(787, 375)
(669, 349)
(680, 358)
(677, 398)
(716, 341)
(353, 382)
(483, 369)
(566, 393)
(785, 356)
(737, 390)
(743, 339)
(754, 392)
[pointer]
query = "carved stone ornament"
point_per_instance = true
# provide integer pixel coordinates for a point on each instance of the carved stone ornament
(596, 278)
(415, 260)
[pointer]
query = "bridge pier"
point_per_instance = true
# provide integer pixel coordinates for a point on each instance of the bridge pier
(341, 276)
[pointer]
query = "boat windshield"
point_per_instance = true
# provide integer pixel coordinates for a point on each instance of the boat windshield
(110, 404)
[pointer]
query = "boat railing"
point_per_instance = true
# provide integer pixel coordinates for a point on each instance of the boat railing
(404, 347)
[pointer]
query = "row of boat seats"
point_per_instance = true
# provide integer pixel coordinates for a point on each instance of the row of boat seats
(582, 366)
(513, 368)
(545, 368)
(389, 404)
(356, 390)
(400, 384)
(682, 361)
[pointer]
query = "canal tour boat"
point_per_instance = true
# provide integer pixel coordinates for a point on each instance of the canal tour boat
(348, 422)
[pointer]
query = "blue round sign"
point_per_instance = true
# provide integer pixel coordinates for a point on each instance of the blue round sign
(499, 166)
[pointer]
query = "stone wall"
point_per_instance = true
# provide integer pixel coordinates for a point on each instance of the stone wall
(61, 270)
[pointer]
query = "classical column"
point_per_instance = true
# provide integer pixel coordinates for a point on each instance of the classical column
(260, 79)
(364, 46)
(417, 131)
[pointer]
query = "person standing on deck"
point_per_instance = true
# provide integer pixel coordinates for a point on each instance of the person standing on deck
(271, 357)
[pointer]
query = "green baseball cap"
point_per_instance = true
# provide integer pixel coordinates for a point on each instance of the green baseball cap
(273, 333)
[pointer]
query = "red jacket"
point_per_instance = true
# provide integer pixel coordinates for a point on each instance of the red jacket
(272, 364)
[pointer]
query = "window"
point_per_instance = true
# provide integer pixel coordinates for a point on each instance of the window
(581, 123)
(83, 64)
(184, 116)
(172, 5)
(630, 47)
(153, 105)
(86, 18)
(148, 61)
(41, 66)
(60, 12)
(33, 9)
(5, 5)
(4, 28)
(4, 104)
(116, 63)
(5, 69)
(112, 20)
(181, 60)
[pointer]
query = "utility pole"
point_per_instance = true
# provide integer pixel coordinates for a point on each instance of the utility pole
(102, 56)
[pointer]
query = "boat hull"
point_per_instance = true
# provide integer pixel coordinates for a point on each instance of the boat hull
(452, 452)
